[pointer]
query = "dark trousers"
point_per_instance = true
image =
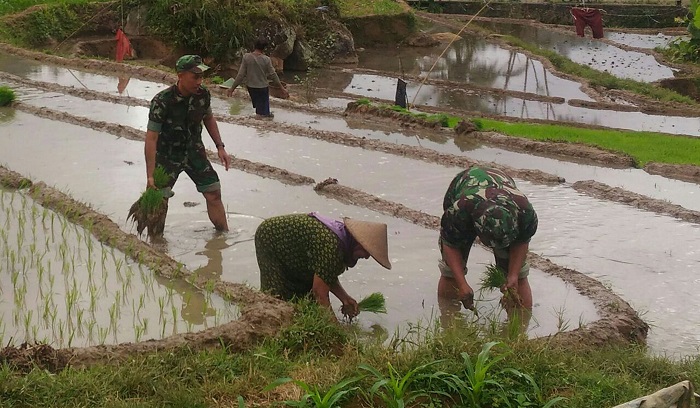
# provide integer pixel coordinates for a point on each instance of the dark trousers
(588, 17)
(261, 100)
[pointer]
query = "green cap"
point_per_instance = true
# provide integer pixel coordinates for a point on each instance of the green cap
(192, 63)
(496, 221)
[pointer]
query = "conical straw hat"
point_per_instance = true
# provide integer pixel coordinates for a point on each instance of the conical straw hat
(373, 238)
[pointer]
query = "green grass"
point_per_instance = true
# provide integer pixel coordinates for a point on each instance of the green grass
(587, 377)
(642, 146)
(7, 96)
(14, 6)
(494, 278)
(361, 8)
(599, 78)
(374, 303)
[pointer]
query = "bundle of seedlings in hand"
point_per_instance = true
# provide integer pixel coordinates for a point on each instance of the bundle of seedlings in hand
(149, 211)
(495, 278)
(7, 96)
(373, 303)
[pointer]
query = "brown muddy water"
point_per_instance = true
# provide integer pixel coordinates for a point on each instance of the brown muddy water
(409, 287)
(647, 258)
(588, 51)
(63, 287)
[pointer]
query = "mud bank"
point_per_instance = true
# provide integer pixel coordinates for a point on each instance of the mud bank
(259, 169)
(606, 192)
(684, 172)
(261, 315)
(568, 151)
(618, 323)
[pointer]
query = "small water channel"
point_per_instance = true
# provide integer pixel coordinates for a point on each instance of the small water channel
(409, 287)
(63, 287)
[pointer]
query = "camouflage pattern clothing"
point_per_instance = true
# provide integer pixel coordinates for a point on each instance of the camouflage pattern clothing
(178, 119)
(485, 202)
(291, 249)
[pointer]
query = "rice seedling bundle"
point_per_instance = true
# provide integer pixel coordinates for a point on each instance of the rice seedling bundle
(149, 211)
(494, 278)
(374, 303)
(7, 96)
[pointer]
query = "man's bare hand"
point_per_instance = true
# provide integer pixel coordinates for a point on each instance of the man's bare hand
(150, 183)
(224, 157)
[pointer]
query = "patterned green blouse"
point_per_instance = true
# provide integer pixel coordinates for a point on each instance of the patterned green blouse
(291, 249)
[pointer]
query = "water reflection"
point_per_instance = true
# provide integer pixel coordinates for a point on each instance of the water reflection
(7, 115)
(601, 56)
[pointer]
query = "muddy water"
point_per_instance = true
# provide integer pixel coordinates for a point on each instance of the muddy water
(587, 51)
(409, 287)
(384, 87)
(248, 142)
(64, 288)
(379, 86)
(474, 61)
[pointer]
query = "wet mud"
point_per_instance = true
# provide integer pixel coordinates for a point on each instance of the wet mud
(261, 315)
(684, 172)
(606, 192)
(619, 323)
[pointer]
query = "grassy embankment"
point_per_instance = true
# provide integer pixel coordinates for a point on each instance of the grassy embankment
(319, 353)
(642, 146)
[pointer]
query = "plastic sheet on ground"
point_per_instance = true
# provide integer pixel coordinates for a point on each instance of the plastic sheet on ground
(680, 395)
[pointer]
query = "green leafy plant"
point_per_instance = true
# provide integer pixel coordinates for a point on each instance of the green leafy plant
(396, 391)
(313, 397)
(493, 278)
(374, 303)
(475, 384)
(149, 211)
(217, 80)
(7, 96)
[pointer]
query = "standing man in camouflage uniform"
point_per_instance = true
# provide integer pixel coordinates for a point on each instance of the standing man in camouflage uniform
(485, 202)
(174, 136)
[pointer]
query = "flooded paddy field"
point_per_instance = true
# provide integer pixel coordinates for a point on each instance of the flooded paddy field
(190, 239)
(645, 257)
(247, 138)
(64, 288)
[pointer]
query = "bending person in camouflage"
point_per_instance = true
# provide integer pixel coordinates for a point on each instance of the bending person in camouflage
(303, 254)
(174, 136)
(485, 202)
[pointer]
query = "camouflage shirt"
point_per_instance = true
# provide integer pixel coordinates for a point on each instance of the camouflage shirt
(178, 119)
(470, 193)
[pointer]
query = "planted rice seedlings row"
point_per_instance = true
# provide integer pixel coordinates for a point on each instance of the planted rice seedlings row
(31, 255)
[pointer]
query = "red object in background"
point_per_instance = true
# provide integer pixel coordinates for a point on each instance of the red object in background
(123, 45)
(588, 17)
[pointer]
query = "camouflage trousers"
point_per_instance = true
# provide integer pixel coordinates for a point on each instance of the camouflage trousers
(195, 163)
(502, 257)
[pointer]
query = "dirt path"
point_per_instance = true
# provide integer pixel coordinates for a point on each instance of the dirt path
(261, 315)
(618, 323)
